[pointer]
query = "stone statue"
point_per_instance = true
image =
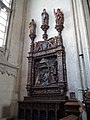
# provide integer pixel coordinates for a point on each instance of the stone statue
(32, 27)
(42, 79)
(45, 17)
(45, 79)
(59, 17)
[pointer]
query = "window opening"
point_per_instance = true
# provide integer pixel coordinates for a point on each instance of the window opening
(5, 9)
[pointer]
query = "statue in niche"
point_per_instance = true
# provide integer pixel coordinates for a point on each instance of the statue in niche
(32, 27)
(59, 17)
(45, 17)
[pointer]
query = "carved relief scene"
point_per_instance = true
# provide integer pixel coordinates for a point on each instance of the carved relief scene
(46, 72)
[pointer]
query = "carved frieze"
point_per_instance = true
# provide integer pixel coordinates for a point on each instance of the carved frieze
(48, 44)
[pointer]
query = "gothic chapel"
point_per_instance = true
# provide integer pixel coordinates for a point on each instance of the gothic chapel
(44, 60)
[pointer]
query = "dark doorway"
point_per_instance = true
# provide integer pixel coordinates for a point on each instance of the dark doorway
(51, 115)
(43, 115)
(21, 114)
(35, 115)
(61, 111)
(28, 115)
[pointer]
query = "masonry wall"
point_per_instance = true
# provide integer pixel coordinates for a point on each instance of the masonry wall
(9, 84)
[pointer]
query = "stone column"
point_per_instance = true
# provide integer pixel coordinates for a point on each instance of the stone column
(82, 57)
(29, 79)
(84, 41)
(60, 66)
(86, 36)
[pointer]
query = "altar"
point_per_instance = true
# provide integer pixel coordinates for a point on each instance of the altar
(47, 78)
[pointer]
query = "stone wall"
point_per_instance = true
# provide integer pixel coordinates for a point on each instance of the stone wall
(9, 83)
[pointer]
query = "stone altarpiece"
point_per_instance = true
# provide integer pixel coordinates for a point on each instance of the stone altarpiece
(47, 81)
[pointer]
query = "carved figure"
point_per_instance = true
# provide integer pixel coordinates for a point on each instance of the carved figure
(32, 27)
(45, 17)
(52, 78)
(59, 17)
(46, 72)
(42, 79)
(45, 79)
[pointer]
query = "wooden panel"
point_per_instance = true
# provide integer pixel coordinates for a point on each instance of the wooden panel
(72, 106)
(70, 117)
